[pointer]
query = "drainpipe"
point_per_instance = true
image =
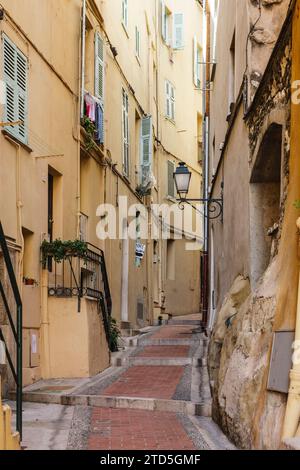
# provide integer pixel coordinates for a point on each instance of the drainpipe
(291, 427)
(204, 281)
(19, 211)
(80, 109)
(83, 57)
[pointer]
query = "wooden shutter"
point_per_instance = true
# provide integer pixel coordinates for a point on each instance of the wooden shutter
(99, 67)
(172, 102)
(164, 28)
(168, 102)
(125, 12)
(178, 41)
(125, 132)
(196, 63)
(15, 77)
(146, 147)
(137, 42)
(171, 184)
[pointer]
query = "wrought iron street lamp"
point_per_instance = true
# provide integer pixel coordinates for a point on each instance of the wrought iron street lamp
(182, 179)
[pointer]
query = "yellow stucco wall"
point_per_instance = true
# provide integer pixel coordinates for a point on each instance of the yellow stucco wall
(9, 440)
(82, 182)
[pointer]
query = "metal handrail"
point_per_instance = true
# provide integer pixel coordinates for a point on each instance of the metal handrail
(16, 330)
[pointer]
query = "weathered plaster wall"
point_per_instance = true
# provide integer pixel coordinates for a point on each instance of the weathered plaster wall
(240, 351)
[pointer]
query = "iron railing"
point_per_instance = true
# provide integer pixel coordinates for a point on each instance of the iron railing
(84, 276)
(16, 329)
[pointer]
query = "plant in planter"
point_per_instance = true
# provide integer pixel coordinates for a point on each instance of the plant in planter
(114, 335)
(59, 250)
(90, 129)
(29, 281)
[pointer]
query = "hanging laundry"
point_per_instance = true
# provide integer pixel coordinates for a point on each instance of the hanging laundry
(90, 107)
(99, 123)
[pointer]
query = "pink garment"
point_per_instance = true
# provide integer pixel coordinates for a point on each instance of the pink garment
(90, 106)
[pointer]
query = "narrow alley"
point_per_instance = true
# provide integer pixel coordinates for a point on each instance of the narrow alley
(149, 400)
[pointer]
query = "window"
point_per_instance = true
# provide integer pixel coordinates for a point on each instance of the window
(146, 149)
(166, 23)
(200, 137)
(171, 255)
(170, 101)
(137, 42)
(16, 83)
(197, 63)
(125, 132)
(99, 67)
(178, 28)
(83, 228)
(171, 184)
(125, 13)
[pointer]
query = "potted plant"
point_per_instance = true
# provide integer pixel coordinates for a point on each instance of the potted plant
(59, 250)
(29, 281)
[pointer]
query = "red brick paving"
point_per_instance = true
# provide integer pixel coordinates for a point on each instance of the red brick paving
(117, 429)
(174, 332)
(165, 351)
(147, 382)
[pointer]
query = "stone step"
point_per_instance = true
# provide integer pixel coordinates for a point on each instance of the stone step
(150, 404)
(165, 341)
(184, 322)
(155, 361)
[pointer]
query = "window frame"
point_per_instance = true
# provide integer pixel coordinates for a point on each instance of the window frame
(170, 100)
(125, 134)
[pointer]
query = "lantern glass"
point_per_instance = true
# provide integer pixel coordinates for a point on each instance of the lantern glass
(182, 177)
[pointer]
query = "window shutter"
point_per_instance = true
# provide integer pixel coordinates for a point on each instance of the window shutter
(137, 42)
(196, 65)
(164, 31)
(125, 12)
(15, 77)
(146, 147)
(172, 102)
(168, 103)
(178, 42)
(171, 184)
(99, 67)
(125, 133)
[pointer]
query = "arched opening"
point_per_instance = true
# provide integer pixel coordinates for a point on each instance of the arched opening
(265, 196)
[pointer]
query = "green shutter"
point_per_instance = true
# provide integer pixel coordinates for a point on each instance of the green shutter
(171, 184)
(99, 67)
(15, 66)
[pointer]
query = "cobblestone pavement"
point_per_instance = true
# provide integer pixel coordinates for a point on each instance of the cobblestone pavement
(115, 429)
(149, 405)
(147, 382)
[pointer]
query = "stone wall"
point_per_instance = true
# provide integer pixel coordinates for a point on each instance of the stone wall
(240, 345)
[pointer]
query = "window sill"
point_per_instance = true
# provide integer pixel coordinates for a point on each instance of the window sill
(171, 199)
(172, 121)
(125, 29)
(8, 135)
(138, 60)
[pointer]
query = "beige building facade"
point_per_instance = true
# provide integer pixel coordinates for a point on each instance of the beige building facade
(102, 105)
